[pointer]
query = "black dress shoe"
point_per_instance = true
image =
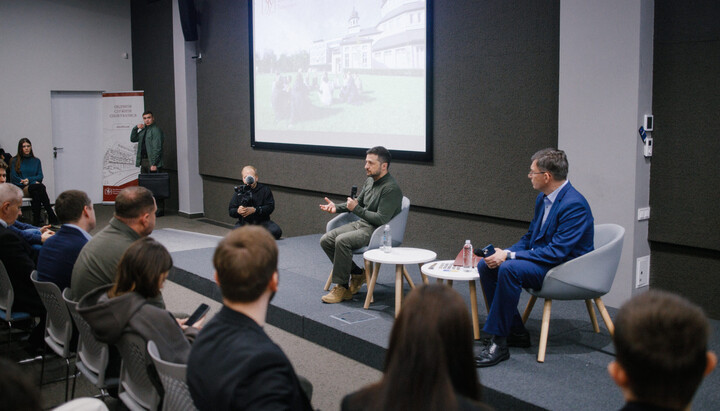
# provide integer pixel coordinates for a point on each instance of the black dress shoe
(519, 339)
(481, 345)
(492, 355)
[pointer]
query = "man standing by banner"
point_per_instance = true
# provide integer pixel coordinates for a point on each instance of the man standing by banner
(150, 144)
(149, 150)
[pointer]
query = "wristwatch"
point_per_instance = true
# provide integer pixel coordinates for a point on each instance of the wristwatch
(510, 255)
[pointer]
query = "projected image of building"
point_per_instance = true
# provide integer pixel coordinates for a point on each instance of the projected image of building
(395, 42)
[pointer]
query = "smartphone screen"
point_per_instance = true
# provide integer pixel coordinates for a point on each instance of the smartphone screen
(198, 314)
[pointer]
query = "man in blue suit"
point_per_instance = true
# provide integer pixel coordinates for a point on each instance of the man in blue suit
(57, 256)
(561, 229)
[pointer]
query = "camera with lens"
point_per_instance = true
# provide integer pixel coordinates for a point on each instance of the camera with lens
(244, 194)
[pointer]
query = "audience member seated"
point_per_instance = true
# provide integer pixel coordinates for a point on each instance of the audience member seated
(233, 364)
(35, 236)
(57, 257)
(661, 345)
(26, 173)
(125, 306)
(253, 203)
(19, 260)
(5, 157)
(97, 262)
(429, 363)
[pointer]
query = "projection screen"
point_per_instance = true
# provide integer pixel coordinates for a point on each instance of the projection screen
(340, 76)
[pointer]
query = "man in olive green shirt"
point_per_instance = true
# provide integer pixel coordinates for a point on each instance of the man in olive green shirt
(379, 201)
(149, 150)
(150, 144)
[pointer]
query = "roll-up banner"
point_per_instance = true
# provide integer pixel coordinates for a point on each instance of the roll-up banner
(121, 112)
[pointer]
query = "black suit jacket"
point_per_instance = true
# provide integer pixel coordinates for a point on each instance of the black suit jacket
(234, 365)
(19, 260)
(58, 254)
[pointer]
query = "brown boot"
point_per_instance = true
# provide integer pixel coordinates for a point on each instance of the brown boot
(337, 294)
(356, 281)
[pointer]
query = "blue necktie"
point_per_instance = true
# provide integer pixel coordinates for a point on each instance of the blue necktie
(548, 204)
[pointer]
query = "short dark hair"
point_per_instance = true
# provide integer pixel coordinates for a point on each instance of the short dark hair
(430, 356)
(245, 261)
(148, 112)
(132, 202)
(140, 268)
(382, 153)
(661, 343)
(553, 161)
(70, 204)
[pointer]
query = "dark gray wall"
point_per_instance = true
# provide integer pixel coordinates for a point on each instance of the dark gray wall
(684, 195)
(495, 100)
(153, 72)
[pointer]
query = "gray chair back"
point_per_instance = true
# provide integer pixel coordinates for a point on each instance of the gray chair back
(59, 325)
(588, 276)
(172, 375)
(397, 227)
(93, 355)
(137, 390)
(7, 298)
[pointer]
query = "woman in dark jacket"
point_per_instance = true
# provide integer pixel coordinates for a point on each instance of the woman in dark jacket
(429, 364)
(124, 307)
(26, 173)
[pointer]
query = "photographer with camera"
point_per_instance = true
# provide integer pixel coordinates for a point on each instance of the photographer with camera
(253, 203)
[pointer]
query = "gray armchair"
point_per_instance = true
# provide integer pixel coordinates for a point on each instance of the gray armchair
(136, 390)
(58, 326)
(7, 298)
(173, 377)
(93, 356)
(587, 277)
(397, 230)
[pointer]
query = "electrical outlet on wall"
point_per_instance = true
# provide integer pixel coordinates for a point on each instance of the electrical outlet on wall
(642, 272)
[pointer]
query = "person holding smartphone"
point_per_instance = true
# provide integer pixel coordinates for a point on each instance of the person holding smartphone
(126, 306)
(561, 229)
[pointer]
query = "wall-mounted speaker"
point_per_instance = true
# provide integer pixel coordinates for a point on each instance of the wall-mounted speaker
(188, 19)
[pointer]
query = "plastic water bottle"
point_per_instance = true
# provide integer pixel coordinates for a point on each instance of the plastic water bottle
(467, 256)
(387, 239)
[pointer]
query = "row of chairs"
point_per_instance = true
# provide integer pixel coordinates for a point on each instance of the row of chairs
(92, 357)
